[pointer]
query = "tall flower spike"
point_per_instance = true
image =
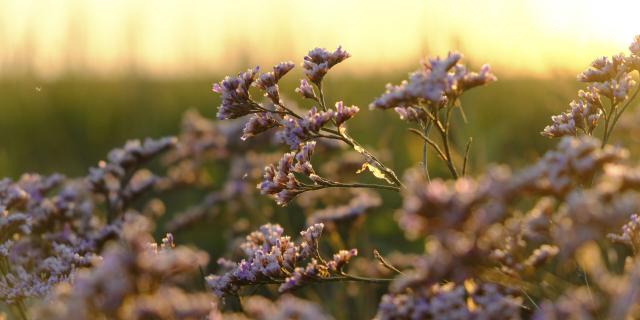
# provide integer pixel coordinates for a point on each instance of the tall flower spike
(318, 62)
(234, 92)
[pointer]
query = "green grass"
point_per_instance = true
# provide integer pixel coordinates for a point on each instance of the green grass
(69, 124)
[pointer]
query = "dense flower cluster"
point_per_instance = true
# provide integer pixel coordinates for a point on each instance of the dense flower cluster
(44, 235)
(439, 81)
(234, 92)
(272, 257)
(318, 62)
(120, 178)
(450, 301)
(281, 181)
(606, 78)
(582, 115)
(287, 307)
(133, 280)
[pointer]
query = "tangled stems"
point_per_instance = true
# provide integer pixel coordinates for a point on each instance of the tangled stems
(341, 133)
(444, 151)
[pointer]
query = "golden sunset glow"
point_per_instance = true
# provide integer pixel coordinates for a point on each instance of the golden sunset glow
(175, 38)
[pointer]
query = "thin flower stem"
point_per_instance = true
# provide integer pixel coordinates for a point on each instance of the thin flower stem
(466, 156)
(333, 184)
(607, 128)
(385, 263)
(445, 144)
(289, 111)
(425, 149)
(348, 277)
(388, 172)
(444, 135)
(322, 103)
(432, 143)
(621, 111)
(366, 185)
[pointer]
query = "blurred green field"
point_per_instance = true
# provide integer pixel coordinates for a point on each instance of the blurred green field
(69, 124)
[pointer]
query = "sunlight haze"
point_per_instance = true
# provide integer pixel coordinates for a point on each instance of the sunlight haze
(183, 38)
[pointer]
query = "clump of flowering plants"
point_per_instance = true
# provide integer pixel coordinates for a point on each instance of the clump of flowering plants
(559, 238)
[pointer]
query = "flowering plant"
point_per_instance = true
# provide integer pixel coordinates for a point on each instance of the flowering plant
(558, 238)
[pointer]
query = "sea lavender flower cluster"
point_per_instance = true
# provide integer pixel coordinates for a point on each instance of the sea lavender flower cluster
(286, 307)
(281, 182)
(294, 129)
(120, 179)
(134, 279)
(607, 78)
(272, 258)
(46, 227)
(582, 115)
(428, 98)
(318, 62)
(451, 301)
(440, 81)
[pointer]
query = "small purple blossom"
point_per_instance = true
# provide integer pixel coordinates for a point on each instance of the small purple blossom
(344, 113)
(296, 131)
(268, 82)
(440, 80)
(306, 90)
(318, 62)
(258, 123)
(234, 93)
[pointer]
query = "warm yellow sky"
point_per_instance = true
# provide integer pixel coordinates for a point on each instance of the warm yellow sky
(179, 38)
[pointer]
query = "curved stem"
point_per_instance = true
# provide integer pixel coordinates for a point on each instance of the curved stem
(365, 279)
(444, 136)
(365, 185)
(466, 156)
(425, 148)
(607, 127)
(390, 174)
(333, 184)
(445, 144)
(430, 142)
(384, 262)
(322, 104)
